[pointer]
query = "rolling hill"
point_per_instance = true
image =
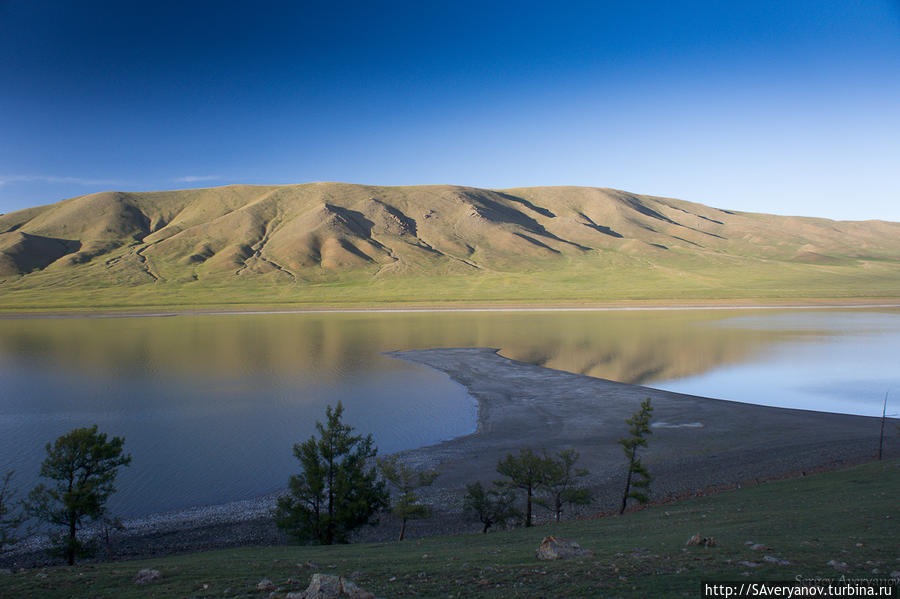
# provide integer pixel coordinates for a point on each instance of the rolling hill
(342, 243)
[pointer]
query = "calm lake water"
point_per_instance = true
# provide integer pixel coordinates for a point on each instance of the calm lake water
(210, 406)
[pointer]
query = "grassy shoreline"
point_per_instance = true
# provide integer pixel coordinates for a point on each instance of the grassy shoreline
(163, 309)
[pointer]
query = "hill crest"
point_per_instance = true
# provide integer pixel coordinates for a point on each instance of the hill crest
(327, 232)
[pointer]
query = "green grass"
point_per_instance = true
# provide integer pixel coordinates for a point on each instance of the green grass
(849, 516)
(559, 284)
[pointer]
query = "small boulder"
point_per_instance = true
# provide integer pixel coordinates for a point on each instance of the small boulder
(265, 585)
(840, 566)
(326, 586)
(353, 591)
(557, 548)
(758, 547)
(701, 541)
(146, 576)
(775, 560)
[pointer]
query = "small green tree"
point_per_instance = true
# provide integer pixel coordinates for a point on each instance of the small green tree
(83, 466)
(337, 491)
(11, 514)
(562, 484)
(637, 474)
(406, 481)
(527, 472)
(490, 507)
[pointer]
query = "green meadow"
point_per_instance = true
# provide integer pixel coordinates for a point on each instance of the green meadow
(847, 517)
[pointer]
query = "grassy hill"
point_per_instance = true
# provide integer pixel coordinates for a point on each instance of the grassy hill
(334, 243)
(846, 517)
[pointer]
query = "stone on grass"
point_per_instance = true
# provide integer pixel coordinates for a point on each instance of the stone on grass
(701, 541)
(265, 585)
(747, 564)
(147, 575)
(326, 586)
(557, 548)
(775, 560)
(841, 566)
(758, 547)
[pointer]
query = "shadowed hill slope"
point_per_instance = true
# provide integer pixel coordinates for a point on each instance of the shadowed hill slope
(288, 238)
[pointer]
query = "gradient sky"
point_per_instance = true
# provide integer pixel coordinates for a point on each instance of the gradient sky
(789, 107)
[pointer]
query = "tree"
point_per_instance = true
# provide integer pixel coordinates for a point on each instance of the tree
(489, 507)
(109, 525)
(527, 472)
(562, 483)
(881, 435)
(406, 480)
(336, 492)
(640, 427)
(11, 514)
(84, 466)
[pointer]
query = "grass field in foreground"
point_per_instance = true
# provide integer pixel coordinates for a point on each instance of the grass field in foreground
(851, 516)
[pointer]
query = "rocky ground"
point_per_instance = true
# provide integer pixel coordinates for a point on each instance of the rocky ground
(697, 444)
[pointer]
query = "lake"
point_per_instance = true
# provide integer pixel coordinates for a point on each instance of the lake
(210, 405)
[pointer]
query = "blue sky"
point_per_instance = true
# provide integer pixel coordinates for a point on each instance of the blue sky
(783, 107)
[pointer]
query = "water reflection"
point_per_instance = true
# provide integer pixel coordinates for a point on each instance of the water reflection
(633, 347)
(210, 405)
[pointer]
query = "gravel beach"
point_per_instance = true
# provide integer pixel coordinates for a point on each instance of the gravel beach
(697, 443)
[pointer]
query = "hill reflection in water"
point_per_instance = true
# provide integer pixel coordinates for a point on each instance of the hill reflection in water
(210, 405)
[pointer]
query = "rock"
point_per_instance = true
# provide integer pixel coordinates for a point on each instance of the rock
(352, 590)
(265, 585)
(758, 547)
(323, 586)
(326, 586)
(147, 575)
(774, 560)
(747, 564)
(701, 541)
(556, 548)
(842, 566)
(295, 595)
(895, 574)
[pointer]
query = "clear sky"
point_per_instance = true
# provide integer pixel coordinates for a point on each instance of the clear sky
(789, 107)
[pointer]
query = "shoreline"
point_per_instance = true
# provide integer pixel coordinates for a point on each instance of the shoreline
(734, 443)
(637, 306)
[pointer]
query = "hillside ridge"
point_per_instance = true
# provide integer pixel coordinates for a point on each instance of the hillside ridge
(329, 232)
